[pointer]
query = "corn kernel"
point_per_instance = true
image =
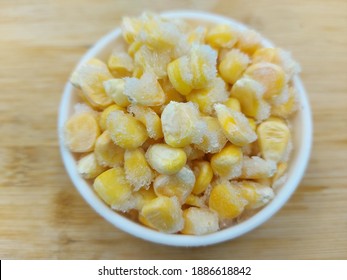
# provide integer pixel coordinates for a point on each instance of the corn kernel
(273, 137)
(235, 126)
(250, 95)
(181, 124)
(233, 104)
(222, 36)
(137, 170)
(199, 221)
(114, 88)
(163, 214)
(80, 132)
(171, 93)
(180, 75)
(105, 113)
(228, 162)
(203, 174)
(120, 64)
(144, 91)
(108, 153)
(252, 123)
(130, 28)
(233, 65)
(114, 189)
(144, 196)
(193, 153)
(257, 168)
(126, 131)
(165, 159)
(149, 118)
(197, 36)
(286, 109)
(179, 185)
(271, 76)
(249, 41)
(88, 167)
(194, 200)
(281, 169)
(227, 201)
(134, 47)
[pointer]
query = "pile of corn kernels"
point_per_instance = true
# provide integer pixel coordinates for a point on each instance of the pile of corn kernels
(187, 128)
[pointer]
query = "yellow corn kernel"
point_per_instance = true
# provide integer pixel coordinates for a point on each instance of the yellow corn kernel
(199, 221)
(250, 95)
(130, 28)
(114, 189)
(286, 109)
(90, 77)
(165, 159)
(249, 41)
(193, 153)
(137, 170)
(180, 75)
(115, 89)
(205, 98)
(179, 185)
(163, 214)
(120, 64)
(281, 169)
(144, 91)
(257, 168)
(233, 65)
(233, 104)
(257, 195)
(88, 167)
(80, 132)
(134, 47)
(203, 61)
(149, 118)
(222, 36)
(227, 201)
(203, 174)
(108, 153)
(271, 76)
(213, 139)
(105, 113)
(194, 200)
(235, 126)
(181, 124)
(273, 138)
(126, 131)
(138, 72)
(252, 123)
(144, 196)
(197, 36)
(227, 163)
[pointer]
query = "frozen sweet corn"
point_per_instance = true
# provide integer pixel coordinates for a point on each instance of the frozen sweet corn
(184, 129)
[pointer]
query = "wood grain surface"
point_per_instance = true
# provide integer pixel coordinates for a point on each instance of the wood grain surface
(41, 214)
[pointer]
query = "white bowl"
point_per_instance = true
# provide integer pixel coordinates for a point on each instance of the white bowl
(302, 140)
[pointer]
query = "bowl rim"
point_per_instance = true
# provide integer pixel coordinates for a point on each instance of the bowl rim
(148, 234)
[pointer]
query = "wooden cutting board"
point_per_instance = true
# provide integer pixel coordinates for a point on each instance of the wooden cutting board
(41, 214)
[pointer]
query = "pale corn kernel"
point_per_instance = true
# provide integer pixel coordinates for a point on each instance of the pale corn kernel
(252, 123)
(203, 60)
(193, 153)
(197, 35)
(233, 65)
(281, 169)
(126, 131)
(120, 64)
(143, 196)
(114, 88)
(273, 138)
(233, 104)
(235, 126)
(249, 41)
(227, 201)
(163, 214)
(90, 77)
(179, 185)
(286, 109)
(271, 76)
(149, 118)
(81, 131)
(88, 167)
(203, 175)
(105, 113)
(257, 195)
(165, 159)
(205, 98)
(137, 171)
(130, 28)
(180, 75)
(114, 189)
(194, 200)
(144, 91)
(198, 221)
(181, 124)
(227, 163)
(257, 168)
(108, 153)
(222, 36)
(250, 95)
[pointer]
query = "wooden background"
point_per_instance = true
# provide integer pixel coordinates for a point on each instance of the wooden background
(41, 214)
